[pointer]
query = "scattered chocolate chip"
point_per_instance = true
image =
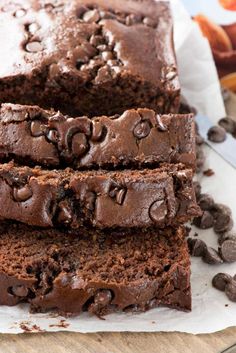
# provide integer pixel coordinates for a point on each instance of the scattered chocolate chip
(22, 194)
(33, 47)
(230, 290)
(98, 131)
(120, 196)
(227, 236)
(228, 250)
(220, 280)
(205, 201)
(205, 221)
(91, 16)
(158, 211)
(79, 144)
(216, 134)
(209, 172)
(212, 257)
(19, 291)
(228, 124)
(65, 214)
(36, 128)
(222, 218)
(142, 129)
(197, 247)
(52, 135)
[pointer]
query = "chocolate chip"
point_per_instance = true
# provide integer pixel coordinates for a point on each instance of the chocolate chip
(149, 22)
(220, 280)
(98, 131)
(230, 290)
(103, 297)
(205, 202)
(222, 218)
(142, 129)
(36, 128)
(89, 200)
(208, 172)
(34, 47)
(91, 16)
(20, 13)
(216, 134)
(158, 211)
(212, 257)
(205, 221)
(197, 247)
(107, 55)
(65, 214)
(228, 124)
(79, 144)
(22, 194)
(52, 135)
(160, 125)
(228, 250)
(19, 291)
(227, 236)
(120, 196)
(197, 189)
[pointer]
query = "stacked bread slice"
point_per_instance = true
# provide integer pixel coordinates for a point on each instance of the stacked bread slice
(96, 173)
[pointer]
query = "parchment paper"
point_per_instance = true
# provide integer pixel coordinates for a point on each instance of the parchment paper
(210, 313)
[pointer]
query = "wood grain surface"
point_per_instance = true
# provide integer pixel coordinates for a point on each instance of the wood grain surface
(117, 342)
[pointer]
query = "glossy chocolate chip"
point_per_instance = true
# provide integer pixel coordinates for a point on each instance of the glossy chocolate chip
(52, 136)
(205, 221)
(212, 257)
(228, 124)
(160, 125)
(89, 200)
(91, 16)
(158, 211)
(197, 189)
(120, 196)
(65, 214)
(205, 202)
(79, 144)
(20, 291)
(220, 280)
(142, 130)
(227, 236)
(22, 194)
(216, 134)
(222, 218)
(98, 131)
(34, 47)
(197, 247)
(36, 128)
(228, 250)
(230, 290)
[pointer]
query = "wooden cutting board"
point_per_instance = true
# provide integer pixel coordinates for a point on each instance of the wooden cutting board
(118, 343)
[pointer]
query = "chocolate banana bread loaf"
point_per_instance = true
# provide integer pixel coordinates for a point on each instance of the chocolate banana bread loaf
(103, 199)
(135, 271)
(89, 57)
(136, 138)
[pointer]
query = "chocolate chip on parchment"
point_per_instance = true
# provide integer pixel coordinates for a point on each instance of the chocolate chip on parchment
(227, 250)
(197, 189)
(208, 172)
(222, 215)
(216, 134)
(230, 290)
(120, 196)
(228, 124)
(227, 236)
(211, 256)
(197, 247)
(205, 201)
(142, 129)
(205, 221)
(220, 280)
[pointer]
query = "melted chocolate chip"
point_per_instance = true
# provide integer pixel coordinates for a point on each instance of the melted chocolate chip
(120, 196)
(53, 136)
(158, 211)
(65, 214)
(220, 280)
(98, 131)
(89, 200)
(216, 134)
(160, 125)
(33, 47)
(19, 291)
(142, 130)
(22, 194)
(79, 144)
(36, 128)
(228, 250)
